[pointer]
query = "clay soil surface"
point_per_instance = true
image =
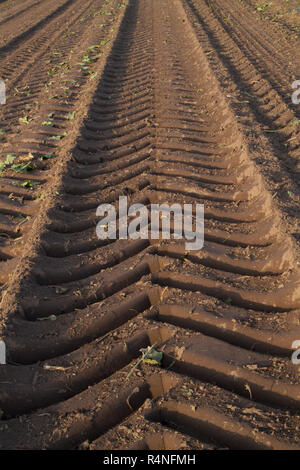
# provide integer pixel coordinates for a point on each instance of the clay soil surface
(143, 344)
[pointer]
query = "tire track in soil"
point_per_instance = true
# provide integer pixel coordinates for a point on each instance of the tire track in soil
(257, 67)
(29, 143)
(18, 29)
(27, 66)
(158, 130)
(286, 23)
(15, 10)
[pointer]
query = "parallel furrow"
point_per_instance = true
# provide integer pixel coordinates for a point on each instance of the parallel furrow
(254, 65)
(30, 149)
(79, 311)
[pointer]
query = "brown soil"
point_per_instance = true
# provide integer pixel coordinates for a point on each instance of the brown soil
(185, 101)
(284, 13)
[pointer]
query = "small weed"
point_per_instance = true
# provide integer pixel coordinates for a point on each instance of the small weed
(59, 137)
(104, 42)
(23, 168)
(25, 120)
(10, 158)
(263, 7)
(29, 184)
(149, 356)
(71, 116)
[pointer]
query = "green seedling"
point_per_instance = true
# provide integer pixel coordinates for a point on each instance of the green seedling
(104, 42)
(87, 73)
(149, 356)
(86, 59)
(92, 48)
(71, 116)
(248, 94)
(9, 160)
(25, 120)
(59, 137)
(52, 71)
(28, 184)
(152, 357)
(263, 7)
(93, 75)
(51, 317)
(23, 168)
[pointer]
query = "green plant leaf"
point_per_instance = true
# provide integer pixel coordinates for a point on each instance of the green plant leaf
(152, 357)
(10, 158)
(21, 168)
(59, 137)
(25, 119)
(30, 183)
(71, 116)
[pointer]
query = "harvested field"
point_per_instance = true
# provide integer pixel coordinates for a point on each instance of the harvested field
(141, 344)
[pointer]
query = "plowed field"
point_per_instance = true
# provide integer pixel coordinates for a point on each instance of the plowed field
(162, 101)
